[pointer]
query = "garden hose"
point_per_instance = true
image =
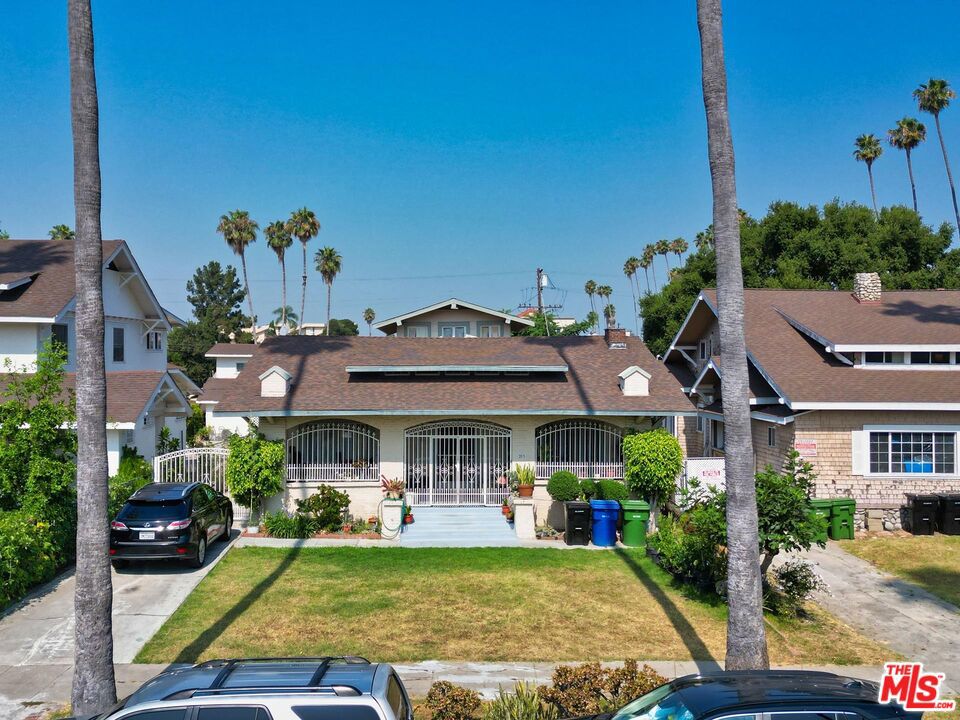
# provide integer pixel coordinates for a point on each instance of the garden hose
(385, 532)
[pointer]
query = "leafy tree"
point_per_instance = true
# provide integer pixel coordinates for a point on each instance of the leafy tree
(868, 149)
(906, 136)
(342, 327)
(304, 226)
(328, 263)
(651, 463)
(806, 247)
(254, 470)
(279, 239)
(239, 230)
(934, 97)
(368, 317)
(541, 323)
(4, 235)
(62, 232)
(590, 288)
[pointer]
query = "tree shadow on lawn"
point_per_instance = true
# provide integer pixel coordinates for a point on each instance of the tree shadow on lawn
(697, 648)
(192, 652)
(944, 583)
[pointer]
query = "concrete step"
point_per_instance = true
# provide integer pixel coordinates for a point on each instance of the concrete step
(458, 527)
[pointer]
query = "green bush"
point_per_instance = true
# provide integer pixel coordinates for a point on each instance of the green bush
(524, 703)
(280, 524)
(588, 488)
(692, 547)
(563, 486)
(791, 585)
(325, 509)
(447, 701)
(652, 462)
(132, 474)
(590, 688)
(612, 490)
(254, 469)
(29, 554)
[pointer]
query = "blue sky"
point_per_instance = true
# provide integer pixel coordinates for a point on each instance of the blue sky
(451, 148)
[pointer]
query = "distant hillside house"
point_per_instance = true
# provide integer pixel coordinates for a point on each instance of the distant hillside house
(454, 318)
(864, 385)
(37, 303)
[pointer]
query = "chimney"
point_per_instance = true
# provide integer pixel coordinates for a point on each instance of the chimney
(616, 338)
(867, 288)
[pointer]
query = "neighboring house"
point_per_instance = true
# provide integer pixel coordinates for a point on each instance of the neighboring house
(230, 359)
(454, 318)
(864, 385)
(452, 416)
(37, 304)
(561, 322)
(264, 331)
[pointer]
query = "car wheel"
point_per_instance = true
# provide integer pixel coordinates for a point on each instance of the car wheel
(201, 554)
(228, 525)
(119, 564)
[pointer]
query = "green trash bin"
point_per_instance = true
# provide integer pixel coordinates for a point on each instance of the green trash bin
(841, 519)
(822, 508)
(636, 513)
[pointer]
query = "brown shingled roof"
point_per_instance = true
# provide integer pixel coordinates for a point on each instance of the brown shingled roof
(321, 383)
(214, 388)
(52, 263)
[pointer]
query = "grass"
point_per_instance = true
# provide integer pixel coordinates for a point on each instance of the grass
(493, 604)
(930, 561)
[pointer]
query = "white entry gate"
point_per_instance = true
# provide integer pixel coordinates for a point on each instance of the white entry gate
(457, 463)
(204, 464)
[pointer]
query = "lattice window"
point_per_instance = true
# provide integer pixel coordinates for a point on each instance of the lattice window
(333, 451)
(587, 448)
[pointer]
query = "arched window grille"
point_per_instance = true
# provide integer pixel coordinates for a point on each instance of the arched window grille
(333, 451)
(587, 448)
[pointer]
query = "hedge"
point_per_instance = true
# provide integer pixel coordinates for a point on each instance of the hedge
(29, 555)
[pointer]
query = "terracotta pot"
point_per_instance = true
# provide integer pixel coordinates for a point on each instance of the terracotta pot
(525, 490)
(408, 518)
(505, 509)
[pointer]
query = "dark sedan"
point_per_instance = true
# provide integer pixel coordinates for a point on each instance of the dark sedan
(170, 520)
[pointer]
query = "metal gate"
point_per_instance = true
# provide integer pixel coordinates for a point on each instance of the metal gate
(204, 464)
(457, 463)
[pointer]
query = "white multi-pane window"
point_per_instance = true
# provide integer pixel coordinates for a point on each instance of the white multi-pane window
(154, 340)
(931, 453)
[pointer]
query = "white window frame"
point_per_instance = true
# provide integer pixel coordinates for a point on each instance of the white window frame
(453, 327)
(154, 341)
(861, 449)
(489, 327)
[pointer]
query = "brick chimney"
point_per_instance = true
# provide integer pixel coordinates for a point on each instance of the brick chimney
(867, 288)
(616, 338)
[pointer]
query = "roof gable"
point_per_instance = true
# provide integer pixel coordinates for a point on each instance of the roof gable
(452, 304)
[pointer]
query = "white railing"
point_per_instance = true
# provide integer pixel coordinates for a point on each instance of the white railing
(709, 471)
(597, 470)
(333, 472)
(332, 451)
(205, 464)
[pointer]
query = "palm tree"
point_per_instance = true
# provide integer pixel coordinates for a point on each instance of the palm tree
(284, 316)
(94, 688)
(746, 640)
(630, 268)
(932, 98)
(590, 288)
(610, 315)
(62, 232)
(662, 247)
(604, 292)
(868, 149)
(908, 133)
(328, 263)
(646, 260)
(368, 317)
(679, 246)
(279, 238)
(304, 226)
(704, 240)
(239, 230)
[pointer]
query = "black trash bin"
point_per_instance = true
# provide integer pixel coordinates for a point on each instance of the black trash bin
(948, 514)
(922, 513)
(577, 523)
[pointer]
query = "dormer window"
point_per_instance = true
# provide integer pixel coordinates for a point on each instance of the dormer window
(884, 358)
(929, 358)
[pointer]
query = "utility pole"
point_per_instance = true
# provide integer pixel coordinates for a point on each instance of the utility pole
(546, 323)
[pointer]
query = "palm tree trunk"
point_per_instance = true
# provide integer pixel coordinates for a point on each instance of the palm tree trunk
(656, 285)
(246, 286)
(946, 163)
(646, 274)
(636, 315)
(913, 187)
(303, 287)
(327, 328)
(94, 689)
(873, 192)
(746, 640)
(283, 291)
(593, 309)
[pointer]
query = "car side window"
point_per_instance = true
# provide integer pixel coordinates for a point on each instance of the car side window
(232, 712)
(171, 714)
(335, 712)
(809, 715)
(200, 501)
(208, 493)
(397, 698)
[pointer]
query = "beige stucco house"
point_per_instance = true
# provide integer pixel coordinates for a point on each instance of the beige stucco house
(864, 385)
(454, 318)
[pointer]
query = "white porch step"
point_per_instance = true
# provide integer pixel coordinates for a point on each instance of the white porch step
(458, 527)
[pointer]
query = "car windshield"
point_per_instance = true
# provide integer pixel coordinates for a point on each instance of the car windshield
(154, 510)
(662, 703)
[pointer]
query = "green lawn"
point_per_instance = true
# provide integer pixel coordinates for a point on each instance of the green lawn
(492, 604)
(930, 561)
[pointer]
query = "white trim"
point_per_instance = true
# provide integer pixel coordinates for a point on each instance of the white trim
(709, 366)
(767, 401)
(275, 369)
(28, 319)
(456, 368)
(891, 347)
(346, 412)
(775, 419)
(122, 247)
(16, 283)
(453, 304)
(673, 344)
(230, 355)
(874, 406)
(864, 448)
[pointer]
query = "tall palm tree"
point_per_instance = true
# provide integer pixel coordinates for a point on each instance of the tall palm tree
(610, 315)
(94, 688)
(239, 231)
(279, 238)
(604, 292)
(646, 260)
(284, 316)
(62, 232)
(328, 263)
(746, 640)
(304, 226)
(933, 97)
(704, 240)
(662, 247)
(868, 149)
(368, 317)
(590, 288)
(678, 247)
(908, 133)
(630, 268)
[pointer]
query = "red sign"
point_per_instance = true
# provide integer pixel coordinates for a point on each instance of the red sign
(807, 447)
(914, 690)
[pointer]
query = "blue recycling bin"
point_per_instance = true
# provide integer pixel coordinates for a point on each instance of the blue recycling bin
(604, 516)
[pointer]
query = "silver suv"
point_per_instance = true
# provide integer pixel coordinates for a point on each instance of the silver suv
(323, 688)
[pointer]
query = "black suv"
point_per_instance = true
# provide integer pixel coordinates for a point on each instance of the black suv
(170, 520)
(763, 695)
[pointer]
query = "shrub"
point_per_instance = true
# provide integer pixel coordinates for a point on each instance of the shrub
(132, 474)
(254, 469)
(588, 488)
(563, 486)
(652, 462)
(325, 509)
(447, 701)
(590, 688)
(691, 547)
(280, 524)
(612, 490)
(793, 583)
(524, 703)
(29, 554)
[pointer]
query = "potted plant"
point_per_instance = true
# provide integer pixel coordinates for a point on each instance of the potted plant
(526, 477)
(392, 488)
(506, 507)
(408, 516)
